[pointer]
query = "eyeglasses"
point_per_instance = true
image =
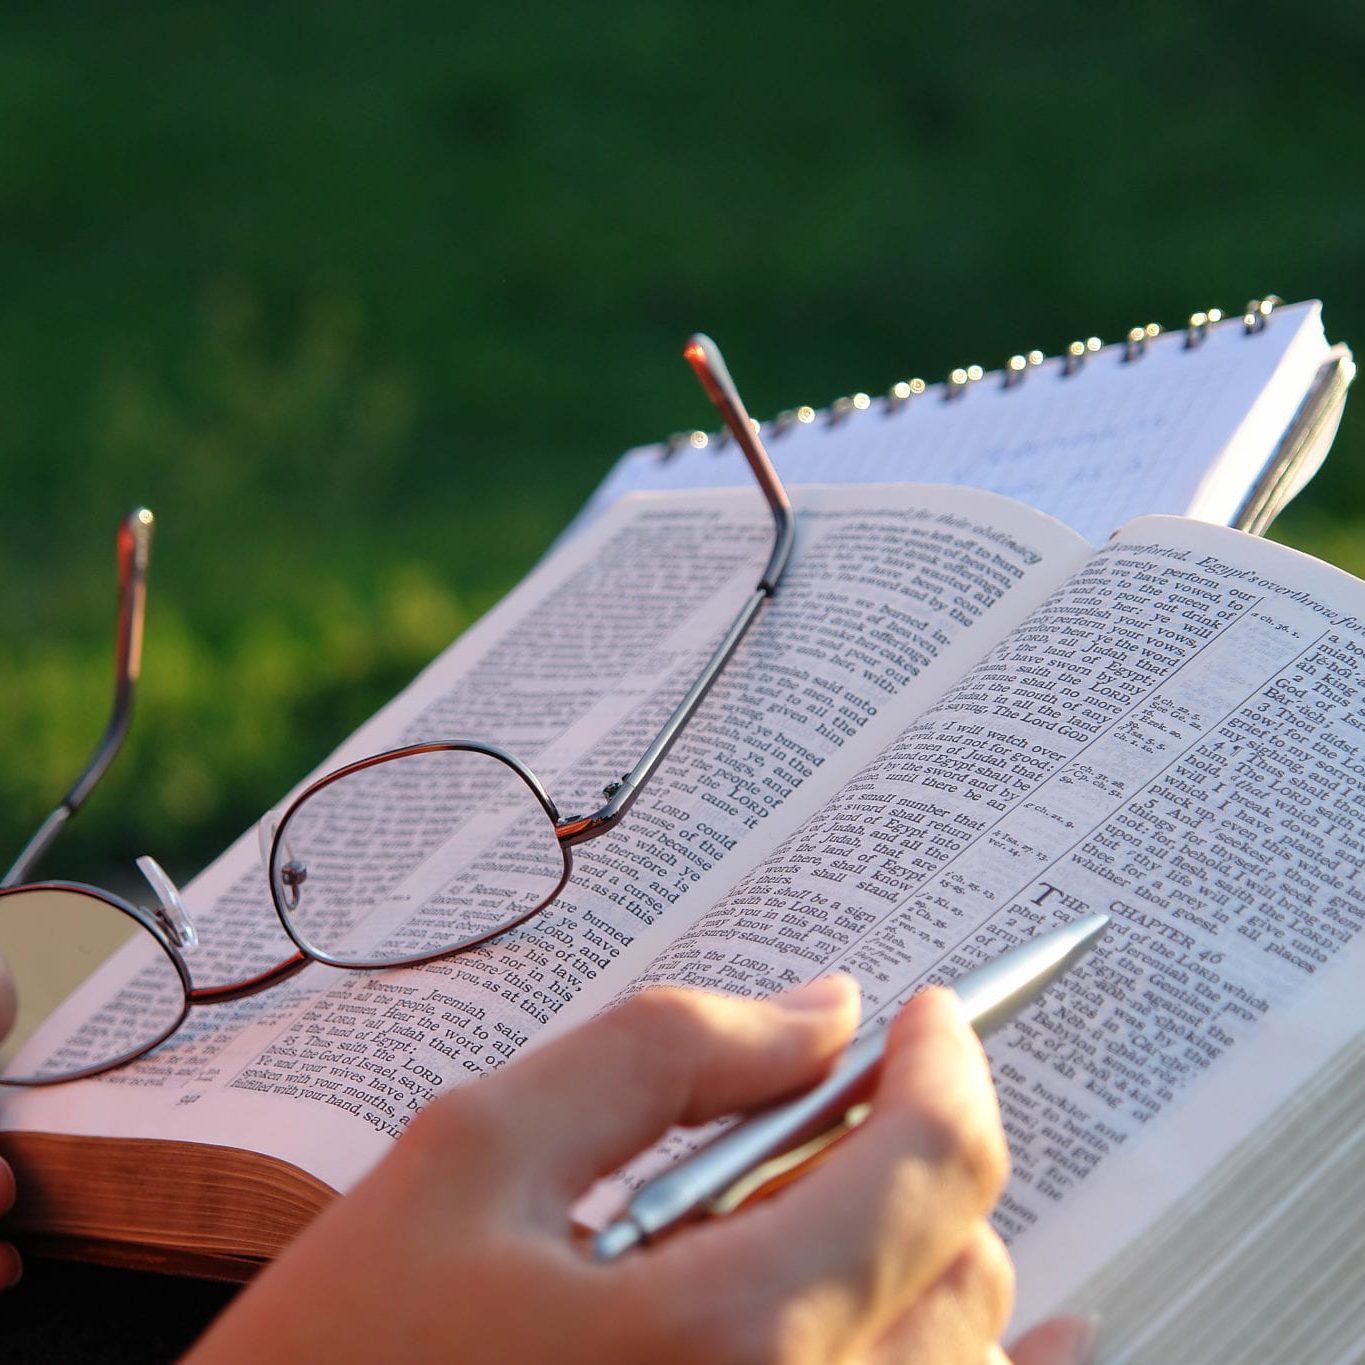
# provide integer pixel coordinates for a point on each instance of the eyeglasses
(401, 858)
(54, 934)
(437, 847)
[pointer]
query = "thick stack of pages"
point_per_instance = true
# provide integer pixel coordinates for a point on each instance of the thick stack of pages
(957, 723)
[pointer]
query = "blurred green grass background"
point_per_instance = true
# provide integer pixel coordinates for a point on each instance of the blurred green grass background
(363, 299)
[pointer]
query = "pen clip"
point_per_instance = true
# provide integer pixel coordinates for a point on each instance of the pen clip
(766, 1180)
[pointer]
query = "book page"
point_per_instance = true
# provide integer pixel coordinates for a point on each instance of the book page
(1177, 737)
(1175, 429)
(890, 594)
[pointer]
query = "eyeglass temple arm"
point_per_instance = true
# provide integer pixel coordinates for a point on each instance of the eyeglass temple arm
(705, 358)
(134, 550)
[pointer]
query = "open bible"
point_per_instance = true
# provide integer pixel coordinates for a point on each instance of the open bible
(956, 723)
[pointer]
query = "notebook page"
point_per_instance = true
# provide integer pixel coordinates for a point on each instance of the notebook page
(1176, 429)
(1224, 487)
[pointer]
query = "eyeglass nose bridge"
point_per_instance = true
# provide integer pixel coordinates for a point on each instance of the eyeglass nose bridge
(171, 911)
(293, 871)
(293, 874)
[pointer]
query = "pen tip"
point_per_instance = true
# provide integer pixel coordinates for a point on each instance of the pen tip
(1083, 933)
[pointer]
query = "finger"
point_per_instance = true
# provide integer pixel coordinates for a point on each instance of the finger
(961, 1315)
(6, 1186)
(1059, 1341)
(887, 1213)
(595, 1098)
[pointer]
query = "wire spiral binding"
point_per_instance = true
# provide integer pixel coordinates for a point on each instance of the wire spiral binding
(1257, 311)
(1015, 372)
(1017, 366)
(1138, 337)
(901, 392)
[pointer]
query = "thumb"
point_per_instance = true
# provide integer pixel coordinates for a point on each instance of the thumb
(1059, 1341)
(593, 1099)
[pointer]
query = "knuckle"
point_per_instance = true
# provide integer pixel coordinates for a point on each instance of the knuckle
(662, 1022)
(986, 1157)
(673, 1043)
(662, 1011)
(971, 1143)
(991, 1276)
(470, 1120)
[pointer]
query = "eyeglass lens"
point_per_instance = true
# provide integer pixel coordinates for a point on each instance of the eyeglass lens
(53, 939)
(414, 856)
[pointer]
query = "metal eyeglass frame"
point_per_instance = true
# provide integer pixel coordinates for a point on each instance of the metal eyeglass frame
(285, 874)
(169, 922)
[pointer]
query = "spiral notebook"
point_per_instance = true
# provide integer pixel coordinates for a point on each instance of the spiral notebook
(1223, 419)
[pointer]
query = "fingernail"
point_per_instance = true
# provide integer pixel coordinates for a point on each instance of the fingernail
(824, 993)
(11, 1267)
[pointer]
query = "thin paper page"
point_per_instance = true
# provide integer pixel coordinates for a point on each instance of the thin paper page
(1175, 430)
(574, 674)
(1175, 738)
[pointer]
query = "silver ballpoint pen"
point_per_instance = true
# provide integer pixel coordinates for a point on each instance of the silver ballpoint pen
(990, 994)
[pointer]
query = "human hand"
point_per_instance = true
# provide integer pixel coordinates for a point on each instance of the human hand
(10, 1265)
(458, 1245)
